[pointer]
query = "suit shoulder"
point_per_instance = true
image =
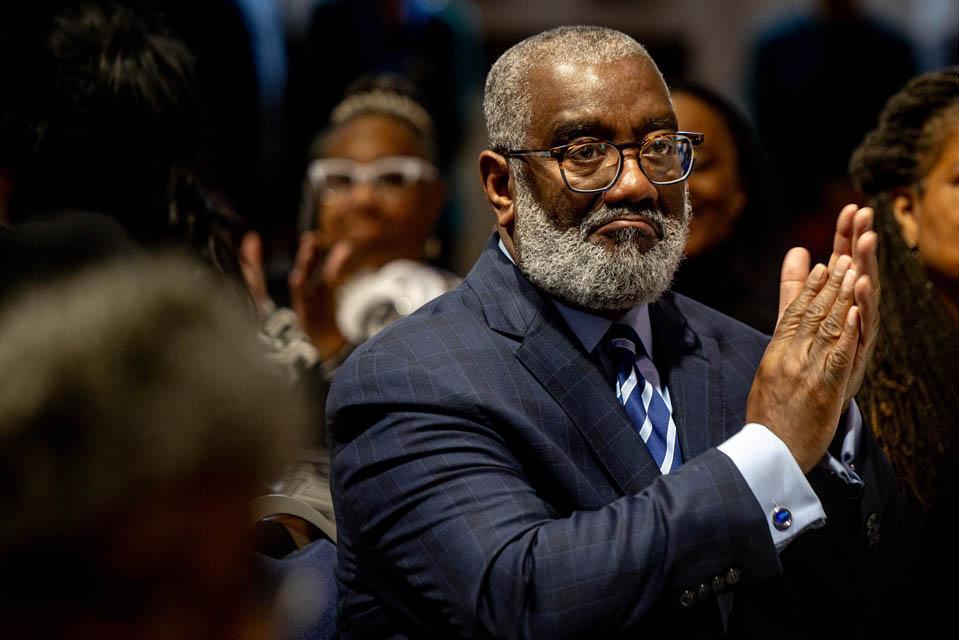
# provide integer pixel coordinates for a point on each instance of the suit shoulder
(440, 344)
(714, 324)
(456, 313)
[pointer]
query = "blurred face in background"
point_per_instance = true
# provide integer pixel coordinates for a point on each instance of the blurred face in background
(375, 188)
(715, 188)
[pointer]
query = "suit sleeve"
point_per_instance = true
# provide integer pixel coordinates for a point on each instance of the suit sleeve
(431, 495)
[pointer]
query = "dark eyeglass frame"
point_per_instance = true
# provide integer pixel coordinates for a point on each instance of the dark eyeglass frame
(559, 154)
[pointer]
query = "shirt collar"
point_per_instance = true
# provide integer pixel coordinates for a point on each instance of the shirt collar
(589, 328)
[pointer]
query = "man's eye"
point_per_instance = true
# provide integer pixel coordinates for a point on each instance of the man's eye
(586, 152)
(660, 147)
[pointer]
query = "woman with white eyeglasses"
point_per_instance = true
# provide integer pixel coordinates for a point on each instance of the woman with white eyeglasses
(372, 198)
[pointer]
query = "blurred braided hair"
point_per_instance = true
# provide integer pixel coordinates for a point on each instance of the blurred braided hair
(910, 395)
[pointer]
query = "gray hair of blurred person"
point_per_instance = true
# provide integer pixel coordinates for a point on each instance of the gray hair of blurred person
(126, 386)
(507, 102)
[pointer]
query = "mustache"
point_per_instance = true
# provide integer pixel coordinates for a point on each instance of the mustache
(604, 215)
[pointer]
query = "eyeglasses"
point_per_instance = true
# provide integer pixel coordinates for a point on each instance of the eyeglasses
(388, 174)
(595, 165)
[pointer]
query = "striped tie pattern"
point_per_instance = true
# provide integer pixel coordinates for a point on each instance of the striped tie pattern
(643, 402)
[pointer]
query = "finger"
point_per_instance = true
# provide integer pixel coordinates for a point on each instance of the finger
(251, 257)
(251, 266)
(862, 222)
(819, 308)
(867, 299)
(831, 327)
(843, 239)
(251, 249)
(304, 264)
(864, 255)
(794, 312)
(337, 264)
(839, 363)
(792, 279)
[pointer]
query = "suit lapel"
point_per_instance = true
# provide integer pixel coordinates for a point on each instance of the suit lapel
(577, 383)
(552, 354)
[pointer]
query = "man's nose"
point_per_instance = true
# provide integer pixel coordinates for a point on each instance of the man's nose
(633, 185)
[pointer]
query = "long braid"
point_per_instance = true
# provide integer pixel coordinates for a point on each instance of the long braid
(911, 390)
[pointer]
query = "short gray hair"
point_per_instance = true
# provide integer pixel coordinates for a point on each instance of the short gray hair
(507, 101)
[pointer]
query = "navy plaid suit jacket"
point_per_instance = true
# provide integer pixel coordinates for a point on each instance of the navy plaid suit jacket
(487, 483)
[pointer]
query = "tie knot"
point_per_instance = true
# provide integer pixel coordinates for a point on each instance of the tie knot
(623, 337)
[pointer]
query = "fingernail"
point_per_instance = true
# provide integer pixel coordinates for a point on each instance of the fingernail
(852, 318)
(818, 272)
(843, 263)
(848, 280)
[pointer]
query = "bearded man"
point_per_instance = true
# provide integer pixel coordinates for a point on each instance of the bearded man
(561, 447)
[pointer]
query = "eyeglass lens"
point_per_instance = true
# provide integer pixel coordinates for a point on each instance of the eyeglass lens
(385, 175)
(593, 166)
(384, 180)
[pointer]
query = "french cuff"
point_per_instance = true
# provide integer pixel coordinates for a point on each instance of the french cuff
(845, 467)
(786, 497)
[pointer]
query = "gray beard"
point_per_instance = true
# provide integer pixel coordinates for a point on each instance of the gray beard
(570, 268)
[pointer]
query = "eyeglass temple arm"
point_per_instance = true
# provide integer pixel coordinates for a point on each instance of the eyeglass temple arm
(527, 152)
(695, 138)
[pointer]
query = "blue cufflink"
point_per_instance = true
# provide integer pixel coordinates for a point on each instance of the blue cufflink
(782, 518)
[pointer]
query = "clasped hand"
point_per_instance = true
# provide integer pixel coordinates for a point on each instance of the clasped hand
(825, 336)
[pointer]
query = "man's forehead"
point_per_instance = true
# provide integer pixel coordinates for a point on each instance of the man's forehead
(628, 93)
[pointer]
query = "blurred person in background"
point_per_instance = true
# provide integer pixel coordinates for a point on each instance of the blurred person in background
(105, 117)
(372, 198)
(137, 423)
(437, 46)
(908, 167)
(732, 251)
(800, 66)
(101, 113)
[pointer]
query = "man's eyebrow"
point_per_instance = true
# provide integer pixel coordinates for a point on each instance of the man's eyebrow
(571, 130)
(657, 124)
(568, 131)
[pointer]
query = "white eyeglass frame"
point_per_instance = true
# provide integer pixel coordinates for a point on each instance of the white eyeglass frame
(412, 168)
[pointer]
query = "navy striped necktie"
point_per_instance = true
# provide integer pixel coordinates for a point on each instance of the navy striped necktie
(642, 401)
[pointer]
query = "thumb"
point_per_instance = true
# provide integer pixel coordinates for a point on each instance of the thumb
(251, 250)
(792, 278)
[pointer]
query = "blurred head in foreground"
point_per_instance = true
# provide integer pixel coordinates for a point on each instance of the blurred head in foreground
(137, 418)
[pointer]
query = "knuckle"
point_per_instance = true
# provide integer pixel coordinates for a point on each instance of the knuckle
(830, 329)
(815, 313)
(839, 360)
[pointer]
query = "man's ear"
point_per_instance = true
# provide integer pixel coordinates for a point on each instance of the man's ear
(906, 211)
(494, 172)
